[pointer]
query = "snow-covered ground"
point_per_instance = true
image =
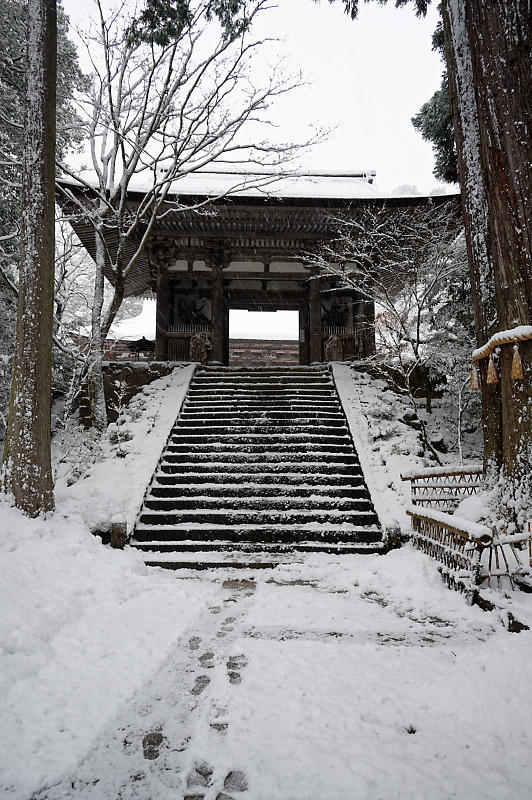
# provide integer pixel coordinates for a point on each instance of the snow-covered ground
(332, 676)
(112, 482)
(387, 445)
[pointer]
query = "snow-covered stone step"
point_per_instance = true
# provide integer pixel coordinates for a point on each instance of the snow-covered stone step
(221, 370)
(237, 445)
(230, 443)
(241, 461)
(281, 418)
(265, 428)
(280, 503)
(273, 472)
(272, 375)
(244, 516)
(284, 468)
(330, 406)
(249, 554)
(270, 393)
(258, 438)
(285, 424)
(215, 452)
(188, 549)
(211, 382)
(265, 399)
(300, 491)
(266, 533)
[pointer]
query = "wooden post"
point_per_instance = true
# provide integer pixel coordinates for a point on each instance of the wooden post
(217, 313)
(161, 314)
(226, 335)
(304, 333)
(315, 320)
(118, 532)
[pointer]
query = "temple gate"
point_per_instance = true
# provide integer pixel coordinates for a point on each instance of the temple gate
(249, 252)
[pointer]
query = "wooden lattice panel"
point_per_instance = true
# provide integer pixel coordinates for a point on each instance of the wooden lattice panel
(444, 489)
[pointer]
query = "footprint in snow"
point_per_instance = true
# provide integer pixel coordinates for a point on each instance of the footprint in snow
(150, 745)
(202, 681)
(234, 666)
(207, 660)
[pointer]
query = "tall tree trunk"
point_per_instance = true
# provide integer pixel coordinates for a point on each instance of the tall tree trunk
(499, 32)
(95, 387)
(26, 469)
(474, 207)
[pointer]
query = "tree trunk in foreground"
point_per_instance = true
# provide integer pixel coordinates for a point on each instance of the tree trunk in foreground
(488, 60)
(499, 32)
(475, 209)
(26, 469)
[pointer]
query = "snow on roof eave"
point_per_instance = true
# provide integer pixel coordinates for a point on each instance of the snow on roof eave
(317, 188)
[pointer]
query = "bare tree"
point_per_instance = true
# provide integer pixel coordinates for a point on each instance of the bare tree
(26, 468)
(403, 260)
(155, 114)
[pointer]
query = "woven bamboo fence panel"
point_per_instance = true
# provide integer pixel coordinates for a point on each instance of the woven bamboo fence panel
(444, 490)
(467, 553)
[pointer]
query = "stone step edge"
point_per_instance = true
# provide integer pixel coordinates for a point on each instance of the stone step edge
(307, 527)
(277, 498)
(226, 543)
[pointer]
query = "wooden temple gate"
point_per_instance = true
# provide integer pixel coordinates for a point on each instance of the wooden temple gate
(245, 252)
(195, 296)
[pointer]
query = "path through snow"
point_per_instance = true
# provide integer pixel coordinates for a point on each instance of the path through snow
(334, 677)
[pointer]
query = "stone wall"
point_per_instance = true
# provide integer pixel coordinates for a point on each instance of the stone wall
(122, 381)
(256, 352)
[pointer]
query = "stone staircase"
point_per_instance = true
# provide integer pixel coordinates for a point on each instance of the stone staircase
(259, 465)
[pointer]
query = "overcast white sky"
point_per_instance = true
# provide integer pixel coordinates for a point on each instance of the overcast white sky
(367, 78)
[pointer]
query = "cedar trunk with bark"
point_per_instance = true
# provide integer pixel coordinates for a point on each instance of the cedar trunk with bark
(499, 32)
(488, 61)
(26, 470)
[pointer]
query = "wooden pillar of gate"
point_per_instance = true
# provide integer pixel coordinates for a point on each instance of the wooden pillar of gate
(315, 320)
(218, 315)
(304, 332)
(162, 315)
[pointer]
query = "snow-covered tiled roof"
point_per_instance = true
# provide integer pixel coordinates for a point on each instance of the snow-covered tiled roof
(327, 185)
(254, 213)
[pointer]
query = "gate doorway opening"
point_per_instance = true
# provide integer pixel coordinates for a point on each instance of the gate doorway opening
(264, 338)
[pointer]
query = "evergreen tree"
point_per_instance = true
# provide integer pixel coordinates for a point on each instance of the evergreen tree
(434, 121)
(163, 21)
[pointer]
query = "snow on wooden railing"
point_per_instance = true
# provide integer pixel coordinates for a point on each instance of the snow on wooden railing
(455, 546)
(444, 488)
(467, 552)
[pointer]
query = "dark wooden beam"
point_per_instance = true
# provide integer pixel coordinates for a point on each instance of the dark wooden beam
(239, 276)
(161, 316)
(315, 320)
(217, 313)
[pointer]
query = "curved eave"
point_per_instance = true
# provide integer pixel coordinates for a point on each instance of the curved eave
(294, 220)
